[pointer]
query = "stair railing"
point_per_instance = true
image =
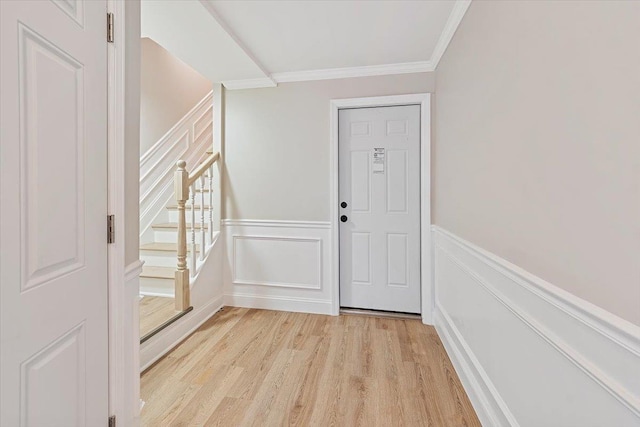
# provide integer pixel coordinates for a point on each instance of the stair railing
(185, 189)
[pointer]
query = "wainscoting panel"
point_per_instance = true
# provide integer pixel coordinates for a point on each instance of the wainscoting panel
(529, 353)
(279, 265)
(189, 139)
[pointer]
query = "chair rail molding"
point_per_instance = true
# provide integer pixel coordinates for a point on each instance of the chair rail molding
(520, 344)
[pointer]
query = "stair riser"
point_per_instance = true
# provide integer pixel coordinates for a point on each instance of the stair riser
(170, 235)
(166, 235)
(159, 258)
(157, 287)
(173, 216)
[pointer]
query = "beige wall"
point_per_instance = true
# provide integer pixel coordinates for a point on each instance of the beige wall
(277, 144)
(169, 89)
(537, 148)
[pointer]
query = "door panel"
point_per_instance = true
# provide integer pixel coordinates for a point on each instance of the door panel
(360, 181)
(53, 207)
(361, 258)
(379, 167)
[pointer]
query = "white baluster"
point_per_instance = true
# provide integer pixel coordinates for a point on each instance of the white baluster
(193, 230)
(211, 205)
(203, 231)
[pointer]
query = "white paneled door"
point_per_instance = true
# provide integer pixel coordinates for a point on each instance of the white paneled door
(379, 174)
(53, 207)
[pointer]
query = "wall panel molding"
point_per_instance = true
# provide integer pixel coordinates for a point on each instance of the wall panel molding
(189, 139)
(278, 265)
(520, 343)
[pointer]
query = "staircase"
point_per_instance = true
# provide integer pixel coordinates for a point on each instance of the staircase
(161, 255)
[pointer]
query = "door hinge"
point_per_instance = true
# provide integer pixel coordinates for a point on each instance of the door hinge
(112, 421)
(109, 27)
(111, 228)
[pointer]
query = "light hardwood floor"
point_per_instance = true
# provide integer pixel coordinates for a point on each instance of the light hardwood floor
(154, 311)
(267, 368)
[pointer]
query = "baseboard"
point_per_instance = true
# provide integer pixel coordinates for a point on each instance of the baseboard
(486, 401)
(157, 294)
(527, 352)
(297, 305)
(133, 270)
(169, 338)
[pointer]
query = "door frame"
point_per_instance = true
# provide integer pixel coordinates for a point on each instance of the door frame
(124, 369)
(426, 269)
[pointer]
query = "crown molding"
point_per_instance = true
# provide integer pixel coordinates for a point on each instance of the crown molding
(455, 17)
(259, 82)
(344, 73)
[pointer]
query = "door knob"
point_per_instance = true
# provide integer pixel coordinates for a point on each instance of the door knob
(343, 204)
(343, 218)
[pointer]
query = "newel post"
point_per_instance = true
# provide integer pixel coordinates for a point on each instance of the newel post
(181, 182)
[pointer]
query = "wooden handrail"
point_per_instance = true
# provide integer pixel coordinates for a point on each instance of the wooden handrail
(203, 167)
(185, 188)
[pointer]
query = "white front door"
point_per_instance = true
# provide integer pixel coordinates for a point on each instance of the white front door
(53, 207)
(379, 162)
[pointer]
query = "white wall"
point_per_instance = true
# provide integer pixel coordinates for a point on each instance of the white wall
(537, 147)
(276, 149)
(169, 88)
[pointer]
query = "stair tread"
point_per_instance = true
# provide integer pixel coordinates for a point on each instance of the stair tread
(165, 247)
(153, 272)
(188, 207)
(175, 225)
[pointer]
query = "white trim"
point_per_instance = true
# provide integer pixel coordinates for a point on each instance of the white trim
(133, 270)
(489, 406)
(259, 82)
(284, 286)
(234, 258)
(618, 330)
(182, 139)
(566, 332)
(453, 22)
(124, 385)
(424, 100)
(280, 303)
(206, 101)
(163, 194)
(169, 338)
(274, 223)
(157, 294)
(349, 72)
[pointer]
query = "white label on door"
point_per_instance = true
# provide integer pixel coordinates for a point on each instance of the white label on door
(378, 160)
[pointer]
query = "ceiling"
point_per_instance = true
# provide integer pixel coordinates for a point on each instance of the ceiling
(260, 43)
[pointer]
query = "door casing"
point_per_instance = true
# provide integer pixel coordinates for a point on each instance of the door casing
(426, 261)
(124, 383)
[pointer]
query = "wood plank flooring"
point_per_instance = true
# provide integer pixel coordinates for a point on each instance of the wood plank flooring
(154, 311)
(248, 367)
